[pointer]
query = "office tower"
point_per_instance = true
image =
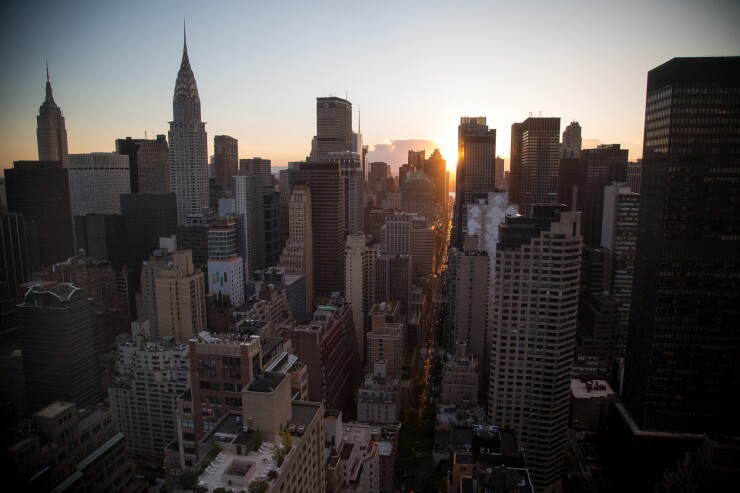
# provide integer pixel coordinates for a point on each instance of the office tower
(149, 216)
(248, 193)
(498, 173)
(378, 181)
(333, 127)
(188, 145)
(393, 277)
(435, 168)
(297, 255)
(596, 334)
(15, 269)
(95, 277)
(475, 168)
(634, 173)
(257, 166)
(328, 346)
(104, 237)
(376, 220)
(50, 131)
(395, 234)
(403, 171)
(59, 343)
(423, 244)
(416, 159)
(572, 142)
(225, 267)
(468, 314)
(569, 174)
(148, 163)
(327, 221)
(284, 186)
(533, 335)
(40, 191)
(599, 168)
(534, 161)
(350, 167)
(418, 195)
(172, 293)
(75, 449)
(193, 235)
(225, 160)
(359, 281)
(148, 377)
(619, 235)
(683, 344)
(272, 219)
(96, 182)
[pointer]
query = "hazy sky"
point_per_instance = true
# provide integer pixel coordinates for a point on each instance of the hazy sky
(411, 67)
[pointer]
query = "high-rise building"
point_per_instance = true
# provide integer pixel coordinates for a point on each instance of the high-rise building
(225, 267)
(149, 216)
(257, 166)
(328, 346)
(386, 342)
(350, 165)
(40, 191)
(272, 219)
(619, 235)
(572, 141)
(468, 306)
(569, 174)
(250, 206)
(418, 195)
(498, 173)
(96, 182)
(225, 160)
(59, 343)
(327, 220)
(683, 344)
(333, 127)
(534, 324)
(15, 269)
(297, 255)
(172, 293)
(475, 177)
(148, 163)
(534, 161)
(193, 235)
(599, 168)
(50, 131)
(359, 281)
(393, 281)
(435, 168)
(188, 145)
(634, 173)
(104, 237)
(148, 377)
(378, 181)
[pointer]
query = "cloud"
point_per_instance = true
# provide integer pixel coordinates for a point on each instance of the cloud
(395, 152)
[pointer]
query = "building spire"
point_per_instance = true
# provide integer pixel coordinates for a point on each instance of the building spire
(184, 37)
(49, 96)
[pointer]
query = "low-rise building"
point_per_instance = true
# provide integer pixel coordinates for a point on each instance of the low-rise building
(353, 456)
(460, 377)
(378, 399)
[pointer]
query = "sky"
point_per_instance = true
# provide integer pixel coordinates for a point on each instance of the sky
(410, 68)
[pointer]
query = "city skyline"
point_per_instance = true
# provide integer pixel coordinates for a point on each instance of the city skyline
(112, 66)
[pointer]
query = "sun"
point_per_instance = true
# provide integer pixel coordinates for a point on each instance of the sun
(448, 148)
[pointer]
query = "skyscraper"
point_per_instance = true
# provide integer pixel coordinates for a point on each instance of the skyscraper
(572, 142)
(534, 323)
(350, 165)
(59, 343)
(435, 168)
(681, 373)
(327, 218)
(297, 255)
(188, 145)
(249, 198)
(40, 191)
(148, 163)
(333, 127)
(359, 281)
(148, 217)
(535, 144)
(15, 269)
(96, 182)
(417, 195)
(225, 160)
(475, 167)
(50, 132)
(599, 168)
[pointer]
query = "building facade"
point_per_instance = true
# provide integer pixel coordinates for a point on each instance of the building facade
(96, 182)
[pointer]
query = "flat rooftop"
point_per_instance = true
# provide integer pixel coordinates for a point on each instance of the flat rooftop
(267, 383)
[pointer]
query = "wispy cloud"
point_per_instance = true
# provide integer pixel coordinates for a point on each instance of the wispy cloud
(395, 151)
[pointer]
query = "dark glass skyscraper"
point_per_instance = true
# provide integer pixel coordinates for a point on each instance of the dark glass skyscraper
(682, 372)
